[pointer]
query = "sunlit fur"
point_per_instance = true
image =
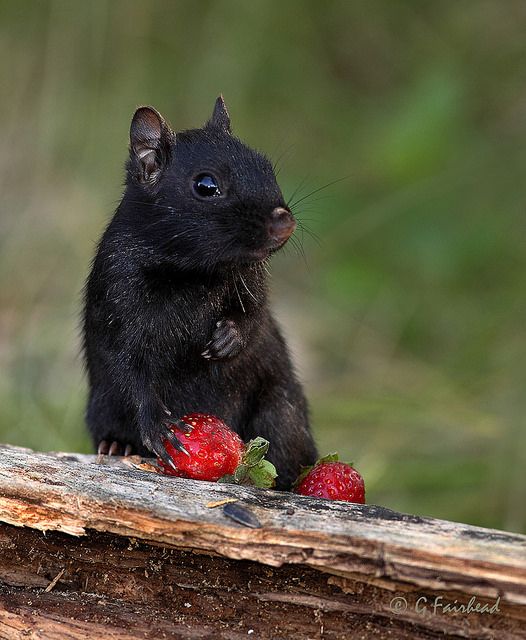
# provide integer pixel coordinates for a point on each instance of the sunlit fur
(169, 267)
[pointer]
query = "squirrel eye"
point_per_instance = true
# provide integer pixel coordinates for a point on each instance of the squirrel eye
(205, 186)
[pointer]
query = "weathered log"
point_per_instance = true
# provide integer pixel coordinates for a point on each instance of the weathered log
(93, 548)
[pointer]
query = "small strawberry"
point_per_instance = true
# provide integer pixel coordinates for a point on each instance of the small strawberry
(212, 451)
(331, 479)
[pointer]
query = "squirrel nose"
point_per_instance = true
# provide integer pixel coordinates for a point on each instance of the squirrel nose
(281, 225)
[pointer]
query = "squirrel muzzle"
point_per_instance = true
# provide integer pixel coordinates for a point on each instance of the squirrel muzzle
(280, 226)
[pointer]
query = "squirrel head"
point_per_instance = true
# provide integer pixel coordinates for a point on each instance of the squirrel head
(202, 196)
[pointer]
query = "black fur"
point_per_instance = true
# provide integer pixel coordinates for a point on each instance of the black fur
(176, 315)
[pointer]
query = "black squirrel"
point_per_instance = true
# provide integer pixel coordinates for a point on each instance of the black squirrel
(176, 317)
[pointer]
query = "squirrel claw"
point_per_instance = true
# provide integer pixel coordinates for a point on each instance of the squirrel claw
(163, 455)
(113, 449)
(178, 424)
(170, 436)
(103, 448)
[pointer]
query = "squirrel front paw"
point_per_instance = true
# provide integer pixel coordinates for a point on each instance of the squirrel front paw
(156, 426)
(226, 342)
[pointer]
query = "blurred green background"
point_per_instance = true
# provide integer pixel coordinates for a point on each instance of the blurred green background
(406, 315)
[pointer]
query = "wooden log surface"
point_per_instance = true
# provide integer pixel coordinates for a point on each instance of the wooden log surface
(108, 550)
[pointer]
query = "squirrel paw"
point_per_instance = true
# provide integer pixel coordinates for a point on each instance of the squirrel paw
(114, 449)
(155, 440)
(226, 341)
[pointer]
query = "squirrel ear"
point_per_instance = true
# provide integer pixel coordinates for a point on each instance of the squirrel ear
(220, 117)
(149, 136)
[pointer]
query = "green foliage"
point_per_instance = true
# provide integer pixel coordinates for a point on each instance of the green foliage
(406, 319)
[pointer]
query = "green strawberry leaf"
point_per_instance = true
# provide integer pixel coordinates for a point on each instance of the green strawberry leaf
(330, 457)
(255, 451)
(263, 474)
(227, 479)
(254, 470)
(241, 473)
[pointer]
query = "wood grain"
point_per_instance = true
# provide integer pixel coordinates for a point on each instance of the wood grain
(334, 567)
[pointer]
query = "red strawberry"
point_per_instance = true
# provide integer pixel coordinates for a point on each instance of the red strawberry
(214, 450)
(331, 479)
